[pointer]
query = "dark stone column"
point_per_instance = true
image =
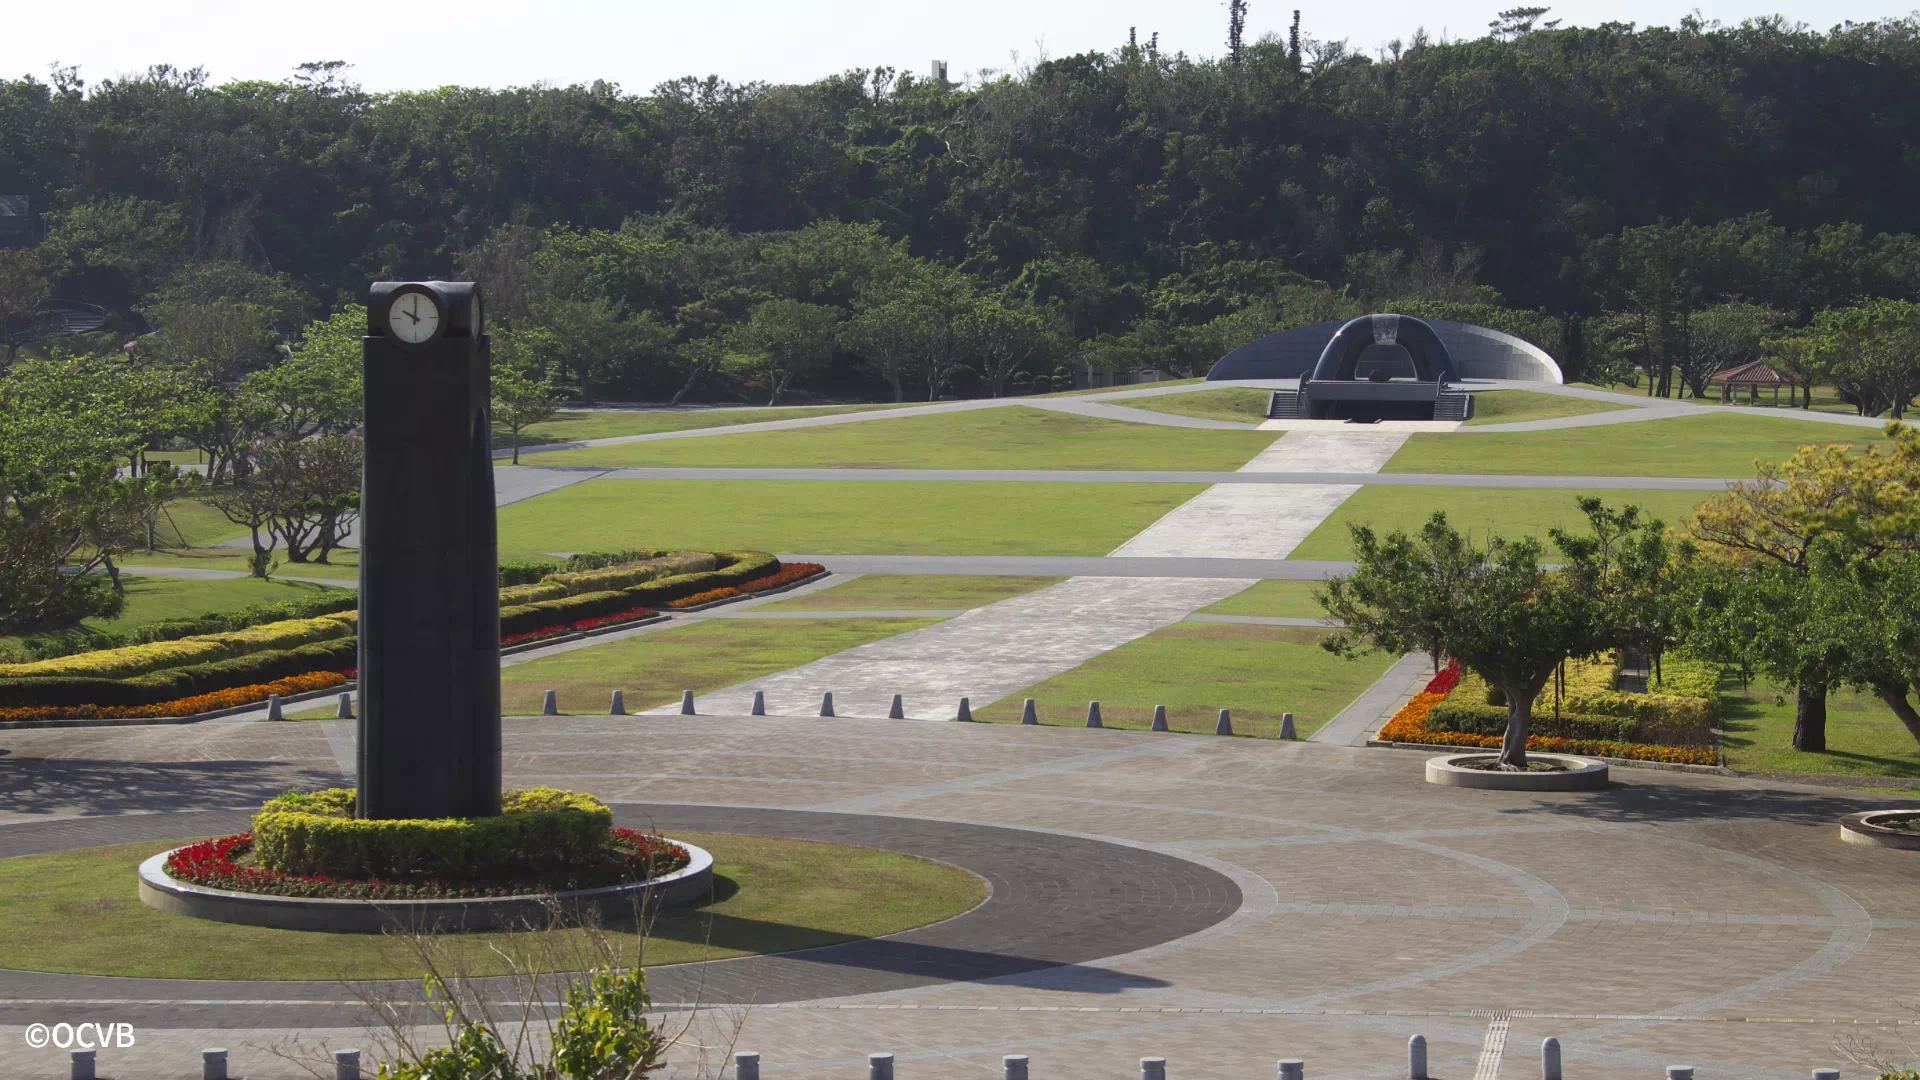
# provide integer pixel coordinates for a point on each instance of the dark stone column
(429, 673)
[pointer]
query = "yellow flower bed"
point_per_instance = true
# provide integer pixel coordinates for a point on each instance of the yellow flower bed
(131, 660)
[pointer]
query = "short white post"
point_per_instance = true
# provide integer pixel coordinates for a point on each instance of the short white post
(686, 703)
(1679, 1072)
(1093, 714)
(346, 707)
(1225, 726)
(80, 1065)
(1160, 718)
(965, 715)
(213, 1064)
(1293, 1069)
(759, 709)
(1013, 1067)
(746, 1065)
(549, 706)
(1417, 1058)
(826, 703)
(273, 707)
(1550, 1059)
(1153, 1069)
(1286, 726)
(346, 1065)
(618, 707)
(879, 1067)
(1027, 713)
(897, 710)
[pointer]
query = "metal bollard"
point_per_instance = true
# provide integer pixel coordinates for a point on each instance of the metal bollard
(1679, 1072)
(826, 703)
(619, 705)
(759, 703)
(897, 710)
(1550, 1059)
(1013, 1067)
(746, 1065)
(879, 1067)
(346, 707)
(213, 1064)
(346, 1065)
(686, 703)
(1293, 1069)
(550, 704)
(1153, 1069)
(1093, 714)
(1417, 1058)
(1286, 726)
(1826, 1074)
(965, 715)
(273, 707)
(1160, 718)
(1027, 713)
(80, 1065)
(1225, 726)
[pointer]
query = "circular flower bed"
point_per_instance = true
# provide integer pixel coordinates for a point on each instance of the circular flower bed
(228, 863)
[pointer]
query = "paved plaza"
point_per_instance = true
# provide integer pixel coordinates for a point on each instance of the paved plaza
(1220, 902)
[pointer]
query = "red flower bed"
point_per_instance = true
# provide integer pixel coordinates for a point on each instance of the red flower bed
(593, 623)
(187, 706)
(786, 575)
(220, 863)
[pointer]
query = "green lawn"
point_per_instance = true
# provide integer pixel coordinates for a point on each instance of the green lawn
(1197, 669)
(76, 911)
(1510, 512)
(1285, 599)
(192, 523)
(1119, 389)
(897, 592)
(609, 423)
(1014, 437)
(838, 517)
(702, 656)
(1863, 737)
(1514, 406)
(1716, 444)
(343, 565)
(1238, 404)
(156, 599)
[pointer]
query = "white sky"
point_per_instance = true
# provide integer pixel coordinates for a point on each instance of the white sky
(638, 43)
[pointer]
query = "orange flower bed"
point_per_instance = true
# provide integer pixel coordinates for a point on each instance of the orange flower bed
(786, 575)
(187, 706)
(1409, 725)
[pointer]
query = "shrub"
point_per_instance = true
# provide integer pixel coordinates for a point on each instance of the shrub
(627, 575)
(600, 560)
(786, 575)
(199, 703)
(525, 571)
(531, 594)
(339, 654)
(546, 614)
(1472, 718)
(1648, 709)
(330, 602)
(315, 833)
(736, 567)
(132, 660)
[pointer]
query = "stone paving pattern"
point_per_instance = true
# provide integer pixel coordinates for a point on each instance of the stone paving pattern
(1672, 918)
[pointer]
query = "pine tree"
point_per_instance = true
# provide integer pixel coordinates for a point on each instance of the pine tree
(1293, 41)
(1236, 28)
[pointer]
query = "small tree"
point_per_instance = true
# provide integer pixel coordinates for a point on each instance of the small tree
(786, 339)
(525, 391)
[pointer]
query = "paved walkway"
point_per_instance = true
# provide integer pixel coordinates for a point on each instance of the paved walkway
(1672, 918)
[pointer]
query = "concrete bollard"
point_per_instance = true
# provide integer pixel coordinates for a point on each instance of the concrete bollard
(686, 703)
(897, 710)
(1417, 1058)
(965, 715)
(1225, 725)
(550, 704)
(273, 707)
(346, 707)
(1286, 726)
(1293, 1069)
(213, 1064)
(346, 1065)
(1550, 1059)
(1093, 714)
(1160, 718)
(1153, 1069)
(80, 1065)
(618, 707)
(1013, 1067)
(1027, 713)
(759, 709)
(746, 1065)
(1679, 1072)
(879, 1067)
(826, 703)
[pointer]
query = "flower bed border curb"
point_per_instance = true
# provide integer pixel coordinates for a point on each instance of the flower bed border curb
(1589, 774)
(163, 893)
(1630, 763)
(1856, 829)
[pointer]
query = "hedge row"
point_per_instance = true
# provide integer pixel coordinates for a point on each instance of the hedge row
(529, 594)
(329, 602)
(1476, 718)
(316, 833)
(129, 661)
(338, 654)
(627, 575)
(523, 618)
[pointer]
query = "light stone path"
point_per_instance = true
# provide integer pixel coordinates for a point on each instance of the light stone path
(1672, 918)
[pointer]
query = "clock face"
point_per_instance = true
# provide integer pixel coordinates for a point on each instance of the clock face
(413, 318)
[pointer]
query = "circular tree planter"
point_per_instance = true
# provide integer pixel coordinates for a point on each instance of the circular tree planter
(684, 886)
(1577, 774)
(1872, 829)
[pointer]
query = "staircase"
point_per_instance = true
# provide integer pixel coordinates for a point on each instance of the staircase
(1453, 405)
(1287, 405)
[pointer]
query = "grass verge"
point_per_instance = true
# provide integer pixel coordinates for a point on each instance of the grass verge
(1236, 404)
(342, 566)
(1481, 512)
(1197, 669)
(701, 656)
(1716, 444)
(1863, 737)
(835, 517)
(76, 912)
(1515, 406)
(1284, 599)
(1014, 437)
(884, 592)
